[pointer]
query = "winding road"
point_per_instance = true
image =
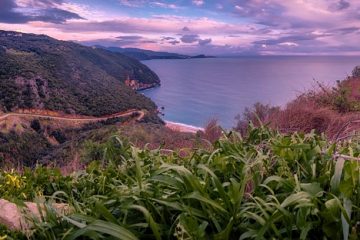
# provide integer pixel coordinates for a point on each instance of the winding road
(72, 118)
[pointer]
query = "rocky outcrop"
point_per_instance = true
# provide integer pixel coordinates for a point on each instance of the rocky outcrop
(36, 88)
(17, 218)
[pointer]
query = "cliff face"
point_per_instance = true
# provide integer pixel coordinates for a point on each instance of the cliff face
(37, 71)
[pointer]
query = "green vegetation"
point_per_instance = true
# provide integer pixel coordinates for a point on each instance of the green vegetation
(344, 96)
(264, 186)
(142, 54)
(40, 72)
(24, 149)
(356, 72)
(10, 235)
(260, 184)
(37, 71)
(325, 109)
(33, 145)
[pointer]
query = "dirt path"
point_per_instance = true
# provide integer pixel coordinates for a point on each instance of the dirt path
(71, 118)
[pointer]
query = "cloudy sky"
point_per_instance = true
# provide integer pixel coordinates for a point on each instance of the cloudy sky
(228, 27)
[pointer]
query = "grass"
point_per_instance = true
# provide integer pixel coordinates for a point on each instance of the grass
(266, 185)
(6, 234)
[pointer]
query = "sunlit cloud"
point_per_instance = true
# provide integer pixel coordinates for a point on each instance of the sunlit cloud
(225, 27)
(132, 3)
(164, 5)
(198, 2)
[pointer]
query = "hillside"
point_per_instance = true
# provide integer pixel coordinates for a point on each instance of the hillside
(40, 72)
(143, 54)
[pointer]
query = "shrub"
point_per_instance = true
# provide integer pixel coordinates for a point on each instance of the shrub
(35, 124)
(324, 109)
(59, 136)
(340, 97)
(356, 72)
(24, 149)
(256, 115)
(212, 131)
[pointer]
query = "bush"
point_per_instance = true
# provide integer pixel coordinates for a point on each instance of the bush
(340, 98)
(59, 136)
(212, 131)
(24, 149)
(35, 124)
(356, 72)
(323, 109)
(257, 115)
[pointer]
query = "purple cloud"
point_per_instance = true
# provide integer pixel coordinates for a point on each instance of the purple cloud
(198, 2)
(340, 5)
(174, 42)
(203, 42)
(132, 40)
(265, 13)
(132, 3)
(292, 38)
(167, 38)
(232, 27)
(40, 3)
(186, 29)
(347, 30)
(170, 40)
(55, 15)
(191, 38)
(121, 41)
(11, 12)
(8, 13)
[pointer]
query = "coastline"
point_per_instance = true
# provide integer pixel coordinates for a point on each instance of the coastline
(148, 87)
(181, 127)
(175, 126)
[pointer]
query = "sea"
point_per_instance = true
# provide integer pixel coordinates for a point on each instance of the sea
(195, 91)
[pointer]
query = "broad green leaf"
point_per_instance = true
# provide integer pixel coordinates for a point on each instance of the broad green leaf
(345, 223)
(153, 225)
(335, 180)
(199, 197)
(312, 188)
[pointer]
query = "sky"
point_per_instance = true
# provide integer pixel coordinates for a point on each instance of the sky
(228, 27)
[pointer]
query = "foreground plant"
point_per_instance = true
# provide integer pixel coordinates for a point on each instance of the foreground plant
(263, 186)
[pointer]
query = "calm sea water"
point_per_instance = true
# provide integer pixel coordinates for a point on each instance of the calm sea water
(194, 91)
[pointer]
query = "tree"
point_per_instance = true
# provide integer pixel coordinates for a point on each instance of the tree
(356, 72)
(35, 124)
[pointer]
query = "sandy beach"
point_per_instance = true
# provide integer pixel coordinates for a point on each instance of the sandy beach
(180, 127)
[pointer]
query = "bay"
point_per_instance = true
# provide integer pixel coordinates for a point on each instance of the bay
(193, 91)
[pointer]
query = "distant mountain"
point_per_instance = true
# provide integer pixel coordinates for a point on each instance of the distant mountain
(37, 71)
(142, 54)
(202, 56)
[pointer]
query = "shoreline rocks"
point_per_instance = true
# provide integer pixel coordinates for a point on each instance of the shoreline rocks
(17, 218)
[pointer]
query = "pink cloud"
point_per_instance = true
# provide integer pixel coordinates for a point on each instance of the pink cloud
(297, 27)
(159, 24)
(198, 2)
